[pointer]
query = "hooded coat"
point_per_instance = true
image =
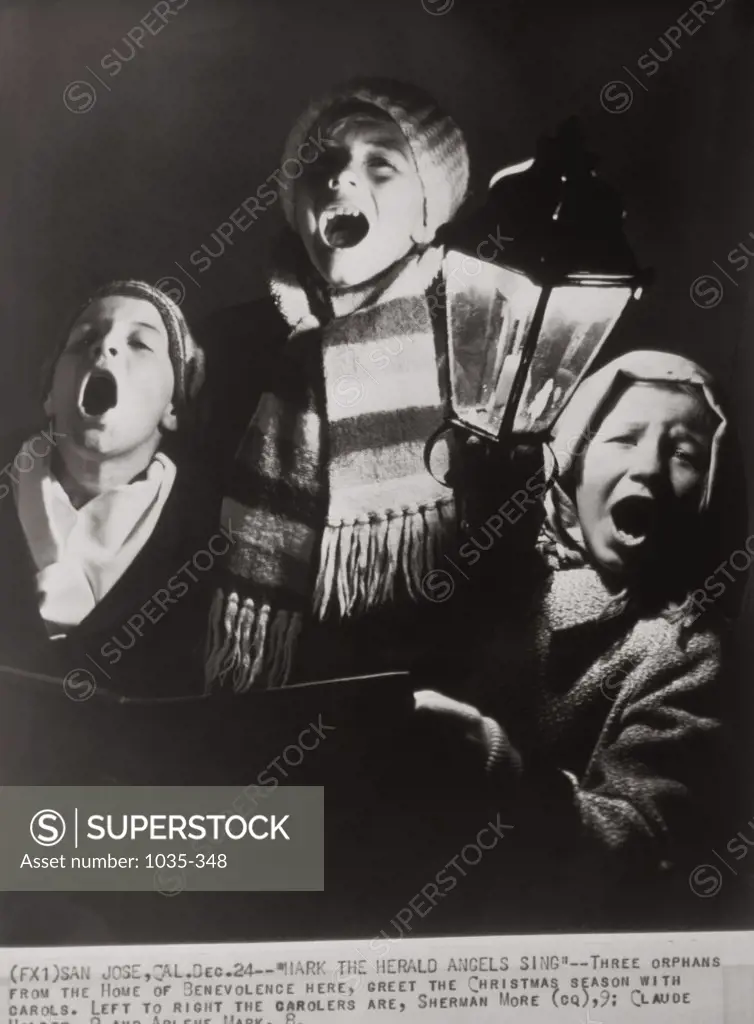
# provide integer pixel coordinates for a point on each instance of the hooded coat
(612, 710)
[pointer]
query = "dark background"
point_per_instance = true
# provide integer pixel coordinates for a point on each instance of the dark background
(194, 123)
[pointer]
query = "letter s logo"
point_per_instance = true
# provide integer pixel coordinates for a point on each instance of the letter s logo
(348, 390)
(47, 827)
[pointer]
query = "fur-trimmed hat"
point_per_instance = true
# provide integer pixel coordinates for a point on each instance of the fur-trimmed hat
(186, 357)
(435, 140)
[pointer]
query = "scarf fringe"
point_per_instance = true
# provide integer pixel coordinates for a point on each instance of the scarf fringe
(359, 562)
(251, 640)
(248, 642)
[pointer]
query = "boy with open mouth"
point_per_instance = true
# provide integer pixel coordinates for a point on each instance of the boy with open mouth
(639, 482)
(359, 209)
(102, 516)
(337, 515)
(606, 683)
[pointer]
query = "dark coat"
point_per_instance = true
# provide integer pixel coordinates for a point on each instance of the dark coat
(136, 644)
(241, 346)
(123, 699)
(155, 654)
(615, 759)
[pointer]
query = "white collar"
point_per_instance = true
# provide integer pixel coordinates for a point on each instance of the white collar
(81, 553)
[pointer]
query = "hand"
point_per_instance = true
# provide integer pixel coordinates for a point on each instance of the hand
(465, 725)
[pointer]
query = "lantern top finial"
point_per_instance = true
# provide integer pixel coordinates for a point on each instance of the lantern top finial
(563, 221)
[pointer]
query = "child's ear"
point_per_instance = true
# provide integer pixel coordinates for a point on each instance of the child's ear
(47, 406)
(169, 419)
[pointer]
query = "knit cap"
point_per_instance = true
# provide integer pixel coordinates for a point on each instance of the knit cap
(186, 357)
(435, 140)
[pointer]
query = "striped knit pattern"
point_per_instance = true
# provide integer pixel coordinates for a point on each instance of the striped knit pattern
(435, 140)
(331, 503)
(386, 514)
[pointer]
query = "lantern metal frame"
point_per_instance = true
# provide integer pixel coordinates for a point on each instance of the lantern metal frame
(566, 229)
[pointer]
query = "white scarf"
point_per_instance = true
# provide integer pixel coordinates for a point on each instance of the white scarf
(80, 554)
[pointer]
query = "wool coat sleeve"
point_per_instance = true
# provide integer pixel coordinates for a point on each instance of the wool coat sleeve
(658, 749)
(625, 755)
(240, 345)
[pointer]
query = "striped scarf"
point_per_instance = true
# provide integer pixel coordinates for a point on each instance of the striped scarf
(332, 506)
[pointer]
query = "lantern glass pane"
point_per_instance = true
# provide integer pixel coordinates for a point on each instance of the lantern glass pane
(489, 313)
(577, 321)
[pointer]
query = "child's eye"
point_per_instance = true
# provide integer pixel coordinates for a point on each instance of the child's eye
(688, 458)
(137, 343)
(621, 439)
(81, 338)
(382, 165)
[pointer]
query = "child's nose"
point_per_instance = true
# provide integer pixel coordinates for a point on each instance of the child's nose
(647, 462)
(344, 177)
(110, 345)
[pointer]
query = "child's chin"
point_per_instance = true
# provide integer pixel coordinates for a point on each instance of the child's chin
(609, 556)
(97, 443)
(629, 560)
(340, 271)
(349, 268)
(104, 441)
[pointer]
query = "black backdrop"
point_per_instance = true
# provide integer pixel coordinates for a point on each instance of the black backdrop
(138, 169)
(194, 123)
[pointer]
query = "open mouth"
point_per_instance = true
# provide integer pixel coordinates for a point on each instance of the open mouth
(343, 227)
(99, 393)
(633, 519)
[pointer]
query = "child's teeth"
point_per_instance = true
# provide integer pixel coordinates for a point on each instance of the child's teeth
(344, 227)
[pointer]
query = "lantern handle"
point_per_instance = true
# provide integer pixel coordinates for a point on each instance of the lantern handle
(551, 477)
(434, 437)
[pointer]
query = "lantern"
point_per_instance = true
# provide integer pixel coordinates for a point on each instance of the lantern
(524, 326)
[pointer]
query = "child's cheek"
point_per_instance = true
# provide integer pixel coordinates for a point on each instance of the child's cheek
(687, 485)
(62, 382)
(304, 196)
(409, 207)
(606, 465)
